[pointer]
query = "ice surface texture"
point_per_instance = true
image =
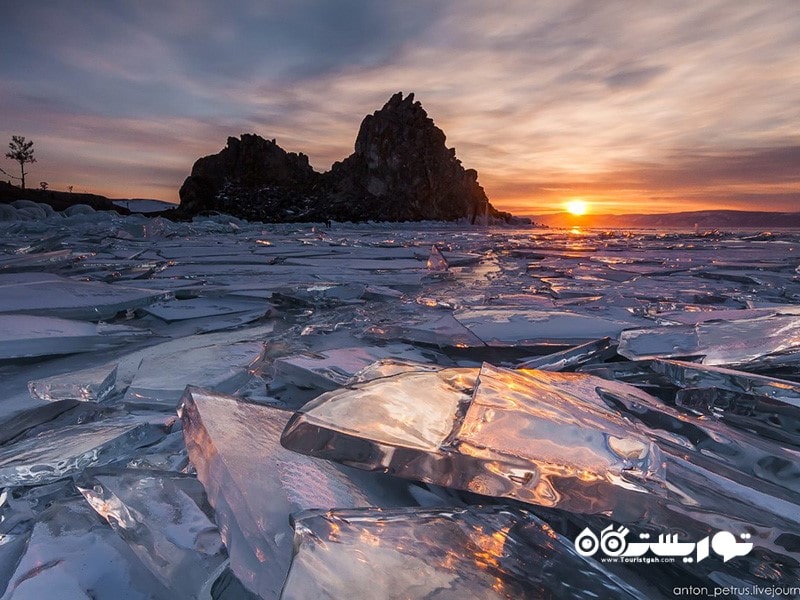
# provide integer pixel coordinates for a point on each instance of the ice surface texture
(254, 484)
(534, 436)
(689, 425)
(475, 553)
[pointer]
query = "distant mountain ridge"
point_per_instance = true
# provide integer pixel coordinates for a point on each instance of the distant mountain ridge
(703, 219)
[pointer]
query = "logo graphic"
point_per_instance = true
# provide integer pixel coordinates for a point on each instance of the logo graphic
(614, 544)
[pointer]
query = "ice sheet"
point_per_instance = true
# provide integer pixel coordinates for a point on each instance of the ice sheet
(504, 327)
(333, 368)
(732, 343)
(166, 520)
(161, 378)
(73, 555)
(524, 435)
(88, 385)
(24, 336)
(471, 553)
(62, 297)
(59, 453)
(254, 484)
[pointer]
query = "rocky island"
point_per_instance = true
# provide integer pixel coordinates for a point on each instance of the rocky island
(401, 170)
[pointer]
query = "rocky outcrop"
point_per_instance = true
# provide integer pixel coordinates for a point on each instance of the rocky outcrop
(252, 178)
(401, 170)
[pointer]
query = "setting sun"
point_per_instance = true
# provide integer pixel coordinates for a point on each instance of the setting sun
(577, 207)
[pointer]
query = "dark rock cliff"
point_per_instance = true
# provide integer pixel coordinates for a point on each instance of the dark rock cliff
(401, 170)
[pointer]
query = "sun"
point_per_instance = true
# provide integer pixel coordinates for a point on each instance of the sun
(577, 207)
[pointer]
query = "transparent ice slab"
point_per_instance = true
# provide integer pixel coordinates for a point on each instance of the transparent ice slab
(22, 420)
(762, 341)
(254, 484)
(760, 414)
(503, 327)
(73, 555)
(195, 308)
(436, 261)
(56, 296)
(692, 375)
(475, 553)
(437, 330)
(35, 261)
(161, 378)
(166, 520)
(330, 369)
(388, 367)
(573, 357)
(525, 435)
(24, 336)
(59, 453)
(88, 385)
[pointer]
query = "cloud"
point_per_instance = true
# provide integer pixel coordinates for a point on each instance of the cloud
(623, 100)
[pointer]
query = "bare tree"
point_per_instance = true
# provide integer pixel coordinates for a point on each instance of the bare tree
(22, 152)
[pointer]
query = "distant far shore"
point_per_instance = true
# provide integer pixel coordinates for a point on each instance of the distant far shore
(702, 220)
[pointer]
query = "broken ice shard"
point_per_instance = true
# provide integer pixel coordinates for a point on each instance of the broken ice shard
(437, 262)
(23, 336)
(161, 378)
(196, 308)
(692, 375)
(763, 415)
(443, 331)
(457, 554)
(573, 357)
(505, 327)
(91, 385)
(254, 484)
(166, 520)
(55, 296)
(528, 435)
(765, 341)
(330, 369)
(59, 453)
(73, 554)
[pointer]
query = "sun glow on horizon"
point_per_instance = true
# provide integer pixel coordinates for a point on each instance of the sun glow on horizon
(577, 207)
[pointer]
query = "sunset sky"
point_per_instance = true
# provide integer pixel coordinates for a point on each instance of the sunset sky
(633, 106)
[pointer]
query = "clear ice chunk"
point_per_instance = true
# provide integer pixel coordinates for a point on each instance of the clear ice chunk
(455, 554)
(254, 484)
(528, 435)
(597, 350)
(56, 296)
(762, 341)
(24, 336)
(161, 378)
(389, 366)
(503, 327)
(443, 331)
(166, 520)
(73, 555)
(59, 453)
(20, 421)
(436, 261)
(88, 385)
(196, 308)
(329, 369)
(760, 414)
(692, 375)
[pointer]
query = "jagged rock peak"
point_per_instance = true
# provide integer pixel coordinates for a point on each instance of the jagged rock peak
(400, 170)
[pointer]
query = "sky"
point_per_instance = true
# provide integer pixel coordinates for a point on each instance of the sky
(632, 106)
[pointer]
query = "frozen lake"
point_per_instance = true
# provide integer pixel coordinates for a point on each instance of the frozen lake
(497, 392)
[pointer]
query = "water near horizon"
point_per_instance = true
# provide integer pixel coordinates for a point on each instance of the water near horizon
(423, 410)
